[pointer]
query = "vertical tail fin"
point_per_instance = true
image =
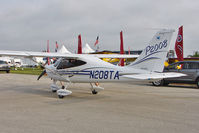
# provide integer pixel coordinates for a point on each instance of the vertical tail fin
(153, 56)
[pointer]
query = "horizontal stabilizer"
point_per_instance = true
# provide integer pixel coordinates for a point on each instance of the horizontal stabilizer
(154, 76)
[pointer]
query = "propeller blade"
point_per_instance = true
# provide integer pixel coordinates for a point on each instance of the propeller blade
(44, 72)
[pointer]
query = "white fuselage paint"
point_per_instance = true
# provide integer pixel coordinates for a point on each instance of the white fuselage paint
(95, 70)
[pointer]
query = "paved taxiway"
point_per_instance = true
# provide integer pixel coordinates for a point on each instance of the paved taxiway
(28, 106)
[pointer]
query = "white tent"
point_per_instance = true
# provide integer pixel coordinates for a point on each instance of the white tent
(7, 59)
(87, 49)
(63, 50)
(39, 60)
(12, 61)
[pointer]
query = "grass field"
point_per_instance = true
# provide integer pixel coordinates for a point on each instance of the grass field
(32, 71)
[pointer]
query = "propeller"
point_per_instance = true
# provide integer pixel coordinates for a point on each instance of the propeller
(44, 72)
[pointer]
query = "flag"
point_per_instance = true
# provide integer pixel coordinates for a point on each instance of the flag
(48, 51)
(179, 44)
(56, 46)
(129, 51)
(121, 48)
(79, 51)
(97, 41)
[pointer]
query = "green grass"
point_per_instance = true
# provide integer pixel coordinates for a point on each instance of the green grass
(31, 71)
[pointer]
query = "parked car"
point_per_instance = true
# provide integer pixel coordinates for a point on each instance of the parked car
(4, 66)
(190, 68)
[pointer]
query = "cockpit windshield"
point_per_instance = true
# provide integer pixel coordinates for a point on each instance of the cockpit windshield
(57, 62)
(67, 63)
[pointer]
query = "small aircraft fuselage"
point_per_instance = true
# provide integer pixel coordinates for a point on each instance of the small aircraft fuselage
(94, 70)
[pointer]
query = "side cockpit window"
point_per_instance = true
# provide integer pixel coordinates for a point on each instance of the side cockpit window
(68, 63)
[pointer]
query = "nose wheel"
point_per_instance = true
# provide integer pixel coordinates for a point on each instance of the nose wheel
(54, 87)
(61, 93)
(54, 91)
(60, 96)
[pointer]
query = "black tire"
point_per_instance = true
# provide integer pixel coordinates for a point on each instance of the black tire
(197, 82)
(54, 91)
(94, 92)
(60, 96)
(165, 84)
(8, 71)
(158, 83)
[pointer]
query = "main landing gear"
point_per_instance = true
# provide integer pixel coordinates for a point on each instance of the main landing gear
(95, 88)
(94, 92)
(62, 92)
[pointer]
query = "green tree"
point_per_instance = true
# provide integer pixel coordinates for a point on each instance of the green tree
(196, 54)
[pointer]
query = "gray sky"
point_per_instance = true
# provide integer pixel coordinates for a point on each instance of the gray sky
(27, 25)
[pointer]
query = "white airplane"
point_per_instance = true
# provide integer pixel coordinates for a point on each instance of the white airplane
(84, 68)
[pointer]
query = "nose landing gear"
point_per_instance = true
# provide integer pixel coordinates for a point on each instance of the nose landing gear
(63, 91)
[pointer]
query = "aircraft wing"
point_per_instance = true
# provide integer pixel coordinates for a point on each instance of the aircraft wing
(34, 54)
(29, 54)
(154, 76)
(114, 56)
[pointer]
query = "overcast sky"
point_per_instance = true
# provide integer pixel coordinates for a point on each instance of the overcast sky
(27, 25)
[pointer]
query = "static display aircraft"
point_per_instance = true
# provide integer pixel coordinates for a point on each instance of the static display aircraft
(89, 68)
